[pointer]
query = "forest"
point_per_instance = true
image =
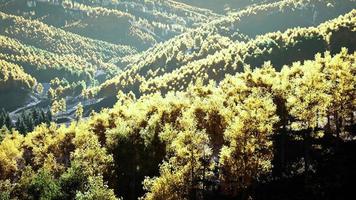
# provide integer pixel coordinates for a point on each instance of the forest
(177, 99)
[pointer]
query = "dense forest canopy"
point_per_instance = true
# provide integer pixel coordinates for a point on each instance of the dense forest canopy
(177, 99)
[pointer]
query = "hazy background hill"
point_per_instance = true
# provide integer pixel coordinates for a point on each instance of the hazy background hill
(139, 24)
(224, 6)
(216, 37)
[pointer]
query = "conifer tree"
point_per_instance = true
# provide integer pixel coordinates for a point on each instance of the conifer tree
(79, 112)
(249, 151)
(182, 174)
(307, 101)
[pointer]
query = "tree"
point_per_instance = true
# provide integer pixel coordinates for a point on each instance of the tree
(48, 116)
(96, 189)
(5, 119)
(63, 105)
(88, 152)
(79, 112)
(182, 174)
(21, 126)
(29, 121)
(5, 189)
(39, 88)
(52, 94)
(3, 132)
(249, 152)
(8, 121)
(58, 106)
(72, 181)
(340, 73)
(308, 101)
(10, 154)
(2, 116)
(44, 186)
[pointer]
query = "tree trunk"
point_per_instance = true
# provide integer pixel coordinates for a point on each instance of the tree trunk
(328, 126)
(204, 169)
(193, 189)
(337, 124)
(283, 148)
(307, 143)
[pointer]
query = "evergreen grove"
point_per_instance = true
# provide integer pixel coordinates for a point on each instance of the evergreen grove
(208, 140)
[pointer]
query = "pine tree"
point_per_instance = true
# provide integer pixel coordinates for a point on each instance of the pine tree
(79, 112)
(48, 116)
(63, 105)
(39, 88)
(340, 71)
(249, 151)
(58, 106)
(21, 126)
(2, 118)
(29, 121)
(3, 132)
(34, 114)
(42, 116)
(182, 174)
(8, 121)
(308, 101)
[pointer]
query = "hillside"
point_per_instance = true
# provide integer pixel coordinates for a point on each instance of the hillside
(293, 45)
(39, 46)
(45, 65)
(177, 99)
(175, 129)
(15, 85)
(14, 77)
(188, 49)
(223, 6)
(57, 40)
(239, 27)
(139, 24)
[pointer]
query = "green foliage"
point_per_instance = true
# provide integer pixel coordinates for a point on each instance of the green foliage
(248, 153)
(176, 146)
(45, 65)
(223, 5)
(186, 170)
(43, 186)
(5, 189)
(210, 102)
(163, 69)
(13, 77)
(79, 112)
(3, 132)
(28, 120)
(96, 189)
(139, 24)
(72, 180)
(5, 120)
(29, 32)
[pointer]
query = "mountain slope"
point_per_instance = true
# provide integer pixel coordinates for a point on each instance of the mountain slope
(46, 65)
(139, 24)
(15, 85)
(222, 6)
(279, 48)
(161, 132)
(190, 47)
(236, 27)
(13, 76)
(56, 40)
